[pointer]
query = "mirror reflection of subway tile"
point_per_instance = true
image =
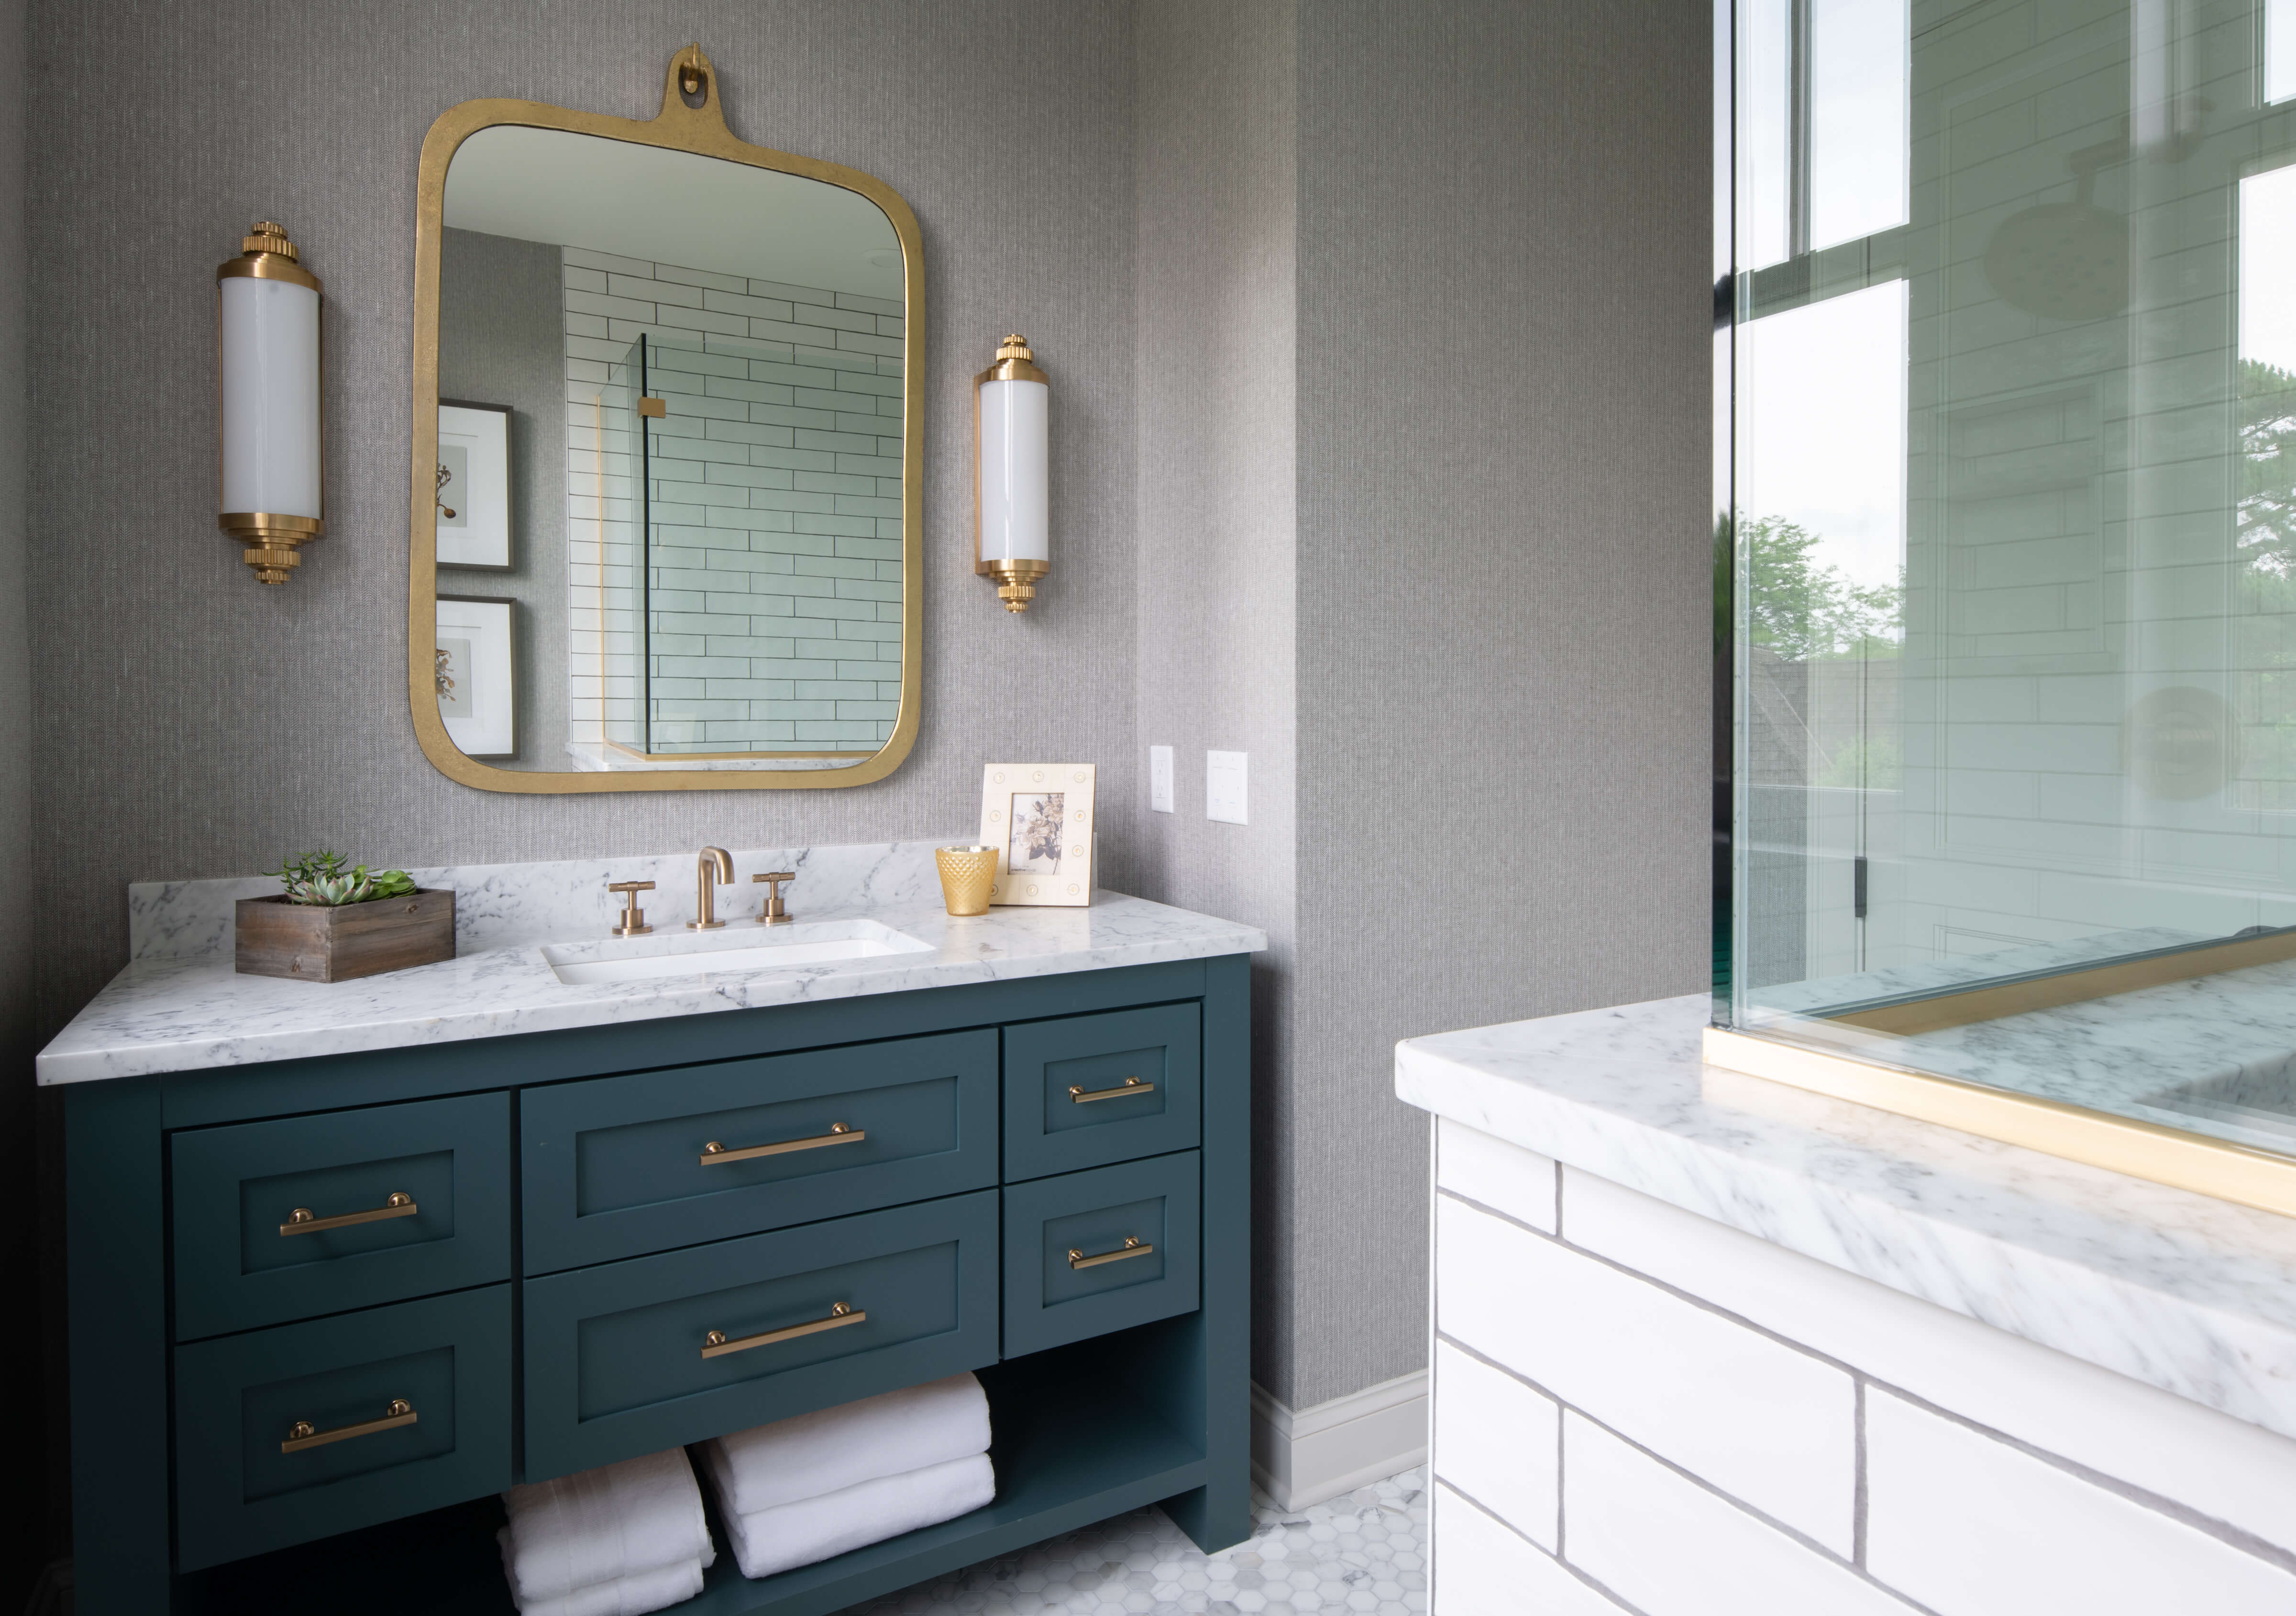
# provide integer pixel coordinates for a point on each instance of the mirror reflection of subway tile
(776, 498)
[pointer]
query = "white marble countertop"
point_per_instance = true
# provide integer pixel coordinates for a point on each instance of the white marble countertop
(2191, 1294)
(179, 1006)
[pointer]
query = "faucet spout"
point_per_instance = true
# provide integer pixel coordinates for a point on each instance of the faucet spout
(711, 866)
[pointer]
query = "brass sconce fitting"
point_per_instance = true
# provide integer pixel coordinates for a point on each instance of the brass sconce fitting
(1012, 473)
(1016, 582)
(269, 451)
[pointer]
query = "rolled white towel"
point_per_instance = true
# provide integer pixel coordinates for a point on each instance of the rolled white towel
(812, 1454)
(809, 1530)
(604, 1525)
(631, 1596)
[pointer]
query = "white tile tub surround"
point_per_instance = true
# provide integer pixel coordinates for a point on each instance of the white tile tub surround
(1773, 1426)
(1486, 1570)
(2124, 1430)
(1989, 1473)
(1501, 1443)
(1664, 1545)
(1971, 1526)
(1505, 1178)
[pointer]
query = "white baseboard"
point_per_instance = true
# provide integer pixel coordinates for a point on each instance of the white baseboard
(1305, 1456)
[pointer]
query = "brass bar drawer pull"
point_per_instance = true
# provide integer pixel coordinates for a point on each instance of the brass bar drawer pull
(1080, 1095)
(714, 1153)
(1132, 1246)
(716, 1345)
(300, 1222)
(303, 1434)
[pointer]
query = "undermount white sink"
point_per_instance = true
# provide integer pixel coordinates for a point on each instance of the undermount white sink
(742, 946)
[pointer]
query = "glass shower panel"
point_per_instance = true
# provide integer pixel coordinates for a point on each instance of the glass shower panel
(2013, 507)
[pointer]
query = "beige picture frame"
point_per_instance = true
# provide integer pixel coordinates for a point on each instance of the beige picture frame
(1041, 818)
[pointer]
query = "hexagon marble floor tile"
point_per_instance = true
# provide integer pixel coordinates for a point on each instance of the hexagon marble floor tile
(1362, 1554)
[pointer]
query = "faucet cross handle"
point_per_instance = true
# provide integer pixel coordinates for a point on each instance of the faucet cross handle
(711, 866)
(774, 914)
(632, 923)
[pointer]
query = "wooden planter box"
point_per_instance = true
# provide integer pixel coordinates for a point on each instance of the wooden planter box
(314, 944)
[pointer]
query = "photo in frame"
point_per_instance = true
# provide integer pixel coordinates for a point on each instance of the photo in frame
(473, 492)
(1039, 816)
(476, 653)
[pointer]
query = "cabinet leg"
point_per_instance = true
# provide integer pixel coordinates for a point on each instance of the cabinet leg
(118, 1349)
(1215, 1517)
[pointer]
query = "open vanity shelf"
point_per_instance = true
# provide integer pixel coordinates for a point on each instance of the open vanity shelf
(1075, 1443)
(580, 1240)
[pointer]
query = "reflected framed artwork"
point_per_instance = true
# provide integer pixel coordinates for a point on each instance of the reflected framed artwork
(476, 650)
(1039, 817)
(473, 492)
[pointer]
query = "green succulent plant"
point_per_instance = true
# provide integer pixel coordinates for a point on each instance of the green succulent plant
(320, 879)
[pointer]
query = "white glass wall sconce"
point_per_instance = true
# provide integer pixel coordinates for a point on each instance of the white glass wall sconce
(267, 389)
(1012, 473)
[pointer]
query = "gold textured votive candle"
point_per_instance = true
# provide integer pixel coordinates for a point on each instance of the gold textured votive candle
(966, 874)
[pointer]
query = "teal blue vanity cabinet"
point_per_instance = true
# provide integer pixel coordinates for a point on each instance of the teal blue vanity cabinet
(321, 1311)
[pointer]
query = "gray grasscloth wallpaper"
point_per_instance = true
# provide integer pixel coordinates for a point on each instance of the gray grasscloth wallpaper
(180, 699)
(22, 1423)
(1503, 385)
(1218, 533)
(1396, 547)
(502, 340)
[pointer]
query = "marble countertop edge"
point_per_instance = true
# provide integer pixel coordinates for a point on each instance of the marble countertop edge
(2179, 1290)
(192, 1013)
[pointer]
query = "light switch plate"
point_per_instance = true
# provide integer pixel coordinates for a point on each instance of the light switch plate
(1159, 779)
(1224, 787)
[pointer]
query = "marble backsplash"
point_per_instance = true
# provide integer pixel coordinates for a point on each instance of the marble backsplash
(499, 905)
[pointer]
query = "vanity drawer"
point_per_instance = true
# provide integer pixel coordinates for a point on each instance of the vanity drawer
(615, 1362)
(1090, 1089)
(238, 1399)
(617, 1166)
(1071, 1268)
(242, 1260)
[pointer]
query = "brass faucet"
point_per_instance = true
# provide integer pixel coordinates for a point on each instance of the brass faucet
(711, 866)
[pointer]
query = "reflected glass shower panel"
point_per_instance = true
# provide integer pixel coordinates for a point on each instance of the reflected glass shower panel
(767, 605)
(2013, 508)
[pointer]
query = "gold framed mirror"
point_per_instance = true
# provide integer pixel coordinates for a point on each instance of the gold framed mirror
(665, 512)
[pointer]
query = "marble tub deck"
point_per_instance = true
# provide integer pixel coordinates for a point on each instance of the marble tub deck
(2156, 1053)
(2193, 1295)
(179, 1006)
